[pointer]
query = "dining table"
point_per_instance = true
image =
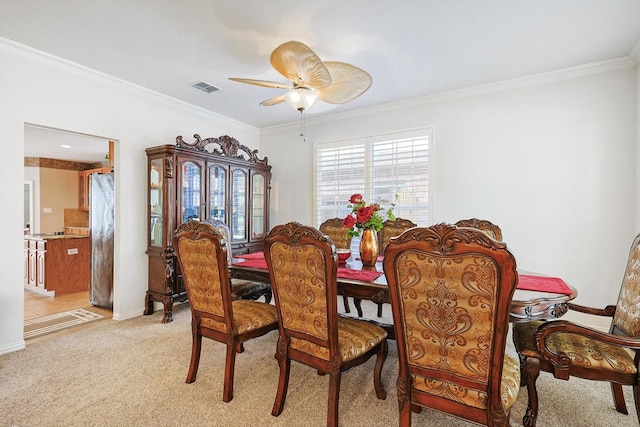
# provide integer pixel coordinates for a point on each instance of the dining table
(537, 296)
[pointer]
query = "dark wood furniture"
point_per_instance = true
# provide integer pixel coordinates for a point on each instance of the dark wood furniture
(302, 265)
(241, 288)
(451, 291)
(390, 229)
(202, 257)
(334, 228)
(567, 349)
(525, 305)
(216, 178)
(488, 227)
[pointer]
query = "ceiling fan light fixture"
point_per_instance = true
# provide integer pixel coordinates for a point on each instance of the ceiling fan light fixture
(301, 99)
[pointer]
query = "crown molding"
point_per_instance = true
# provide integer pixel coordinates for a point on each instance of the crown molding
(525, 81)
(27, 51)
(635, 53)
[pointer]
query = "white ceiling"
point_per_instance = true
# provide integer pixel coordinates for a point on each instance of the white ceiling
(411, 48)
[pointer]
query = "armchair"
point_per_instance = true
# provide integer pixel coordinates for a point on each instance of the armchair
(566, 349)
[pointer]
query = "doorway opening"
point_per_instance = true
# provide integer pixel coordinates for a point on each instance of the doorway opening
(55, 162)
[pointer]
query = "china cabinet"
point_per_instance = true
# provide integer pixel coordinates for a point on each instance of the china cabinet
(215, 178)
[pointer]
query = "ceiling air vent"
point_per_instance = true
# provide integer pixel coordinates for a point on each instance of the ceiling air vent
(205, 87)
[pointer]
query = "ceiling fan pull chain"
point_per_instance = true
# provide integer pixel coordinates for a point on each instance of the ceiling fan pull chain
(302, 125)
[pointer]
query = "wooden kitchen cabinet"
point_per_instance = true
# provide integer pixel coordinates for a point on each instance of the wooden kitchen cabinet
(215, 178)
(58, 265)
(83, 186)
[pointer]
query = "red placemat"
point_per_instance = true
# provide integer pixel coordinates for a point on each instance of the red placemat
(543, 284)
(254, 255)
(363, 275)
(254, 263)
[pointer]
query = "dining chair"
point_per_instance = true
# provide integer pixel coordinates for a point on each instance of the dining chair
(202, 257)
(339, 234)
(302, 265)
(451, 290)
(491, 229)
(241, 288)
(390, 229)
(567, 349)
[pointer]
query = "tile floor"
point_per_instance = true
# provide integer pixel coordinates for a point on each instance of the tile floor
(36, 305)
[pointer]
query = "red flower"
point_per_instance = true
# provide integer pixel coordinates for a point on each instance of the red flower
(356, 199)
(363, 214)
(349, 221)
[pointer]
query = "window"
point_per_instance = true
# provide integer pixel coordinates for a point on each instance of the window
(377, 167)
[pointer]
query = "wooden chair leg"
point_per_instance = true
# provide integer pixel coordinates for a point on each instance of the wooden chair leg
(334, 398)
(283, 385)
(345, 301)
(405, 414)
(229, 370)
(532, 371)
(267, 296)
(618, 398)
(196, 346)
(379, 309)
(636, 397)
(358, 303)
(377, 372)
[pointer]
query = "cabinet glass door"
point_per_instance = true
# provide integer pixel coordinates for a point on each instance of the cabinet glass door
(238, 205)
(156, 221)
(190, 191)
(258, 220)
(217, 192)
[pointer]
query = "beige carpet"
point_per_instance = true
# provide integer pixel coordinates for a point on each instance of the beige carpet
(132, 373)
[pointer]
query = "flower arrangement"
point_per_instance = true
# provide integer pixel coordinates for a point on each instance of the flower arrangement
(365, 216)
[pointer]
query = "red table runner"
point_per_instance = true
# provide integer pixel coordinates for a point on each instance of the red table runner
(543, 284)
(254, 255)
(343, 272)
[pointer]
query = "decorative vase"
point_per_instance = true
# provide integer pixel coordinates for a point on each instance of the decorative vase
(369, 248)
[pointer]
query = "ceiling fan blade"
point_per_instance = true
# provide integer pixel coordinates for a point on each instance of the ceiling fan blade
(264, 83)
(298, 63)
(272, 101)
(348, 83)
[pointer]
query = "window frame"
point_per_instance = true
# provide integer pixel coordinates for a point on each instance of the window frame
(428, 132)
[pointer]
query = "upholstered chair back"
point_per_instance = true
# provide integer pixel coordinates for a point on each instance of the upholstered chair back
(202, 256)
(303, 267)
(338, 233)
(392, 229)
(626, 320)
(451, 290)
(305, 289)
(223, 230)
(491, 229)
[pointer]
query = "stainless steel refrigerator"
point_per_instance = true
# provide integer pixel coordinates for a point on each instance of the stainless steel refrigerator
(101, 203)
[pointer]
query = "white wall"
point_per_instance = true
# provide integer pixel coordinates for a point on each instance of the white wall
(39, 89)
(551, 159)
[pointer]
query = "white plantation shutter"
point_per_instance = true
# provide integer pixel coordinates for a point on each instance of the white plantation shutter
(340, 172)
(378, 168)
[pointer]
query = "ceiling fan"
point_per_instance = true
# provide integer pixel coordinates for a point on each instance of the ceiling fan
(311, 78)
